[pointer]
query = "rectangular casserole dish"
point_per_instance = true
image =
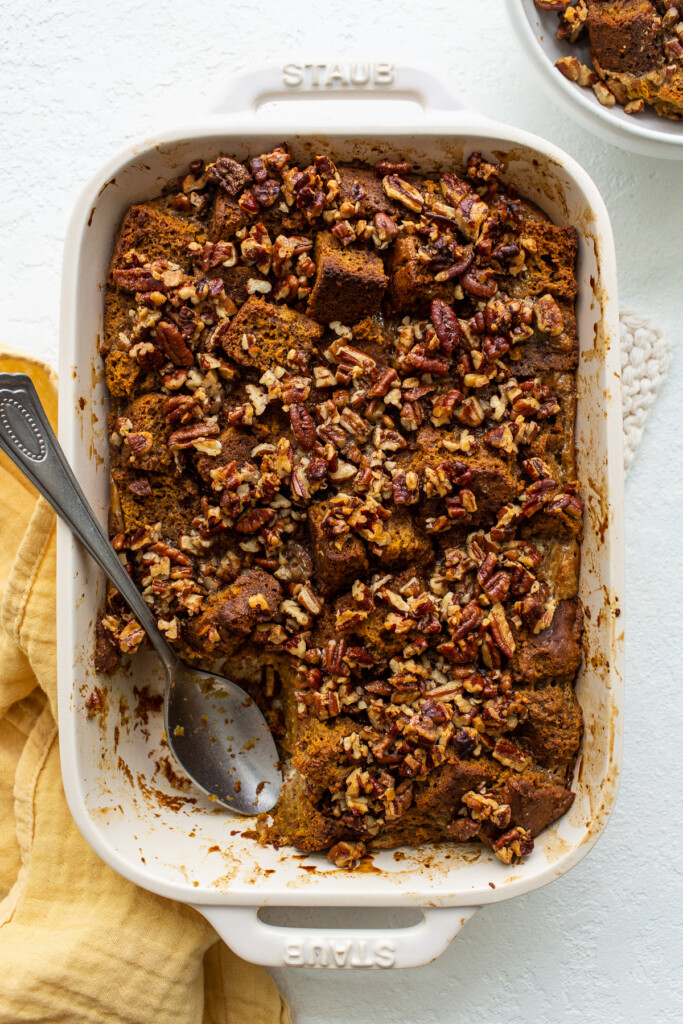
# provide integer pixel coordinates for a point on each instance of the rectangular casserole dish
(121, 792)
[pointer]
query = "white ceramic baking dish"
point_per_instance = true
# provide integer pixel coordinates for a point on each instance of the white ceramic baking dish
(126, 804)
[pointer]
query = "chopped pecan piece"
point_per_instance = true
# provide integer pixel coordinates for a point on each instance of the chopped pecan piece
(184, 436)
(173, 344)
(302, 426)
(549, 319)
(346, 854)
(139, 442)
(515, 843)
(136, 279)
(93, 702)
(401, 190)
(140, 487)
(253, 520)
(383, 167)
(229, 175)
(501, 632)
(447, 326)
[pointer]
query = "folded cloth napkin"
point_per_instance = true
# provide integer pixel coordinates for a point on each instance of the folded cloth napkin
(77, 941)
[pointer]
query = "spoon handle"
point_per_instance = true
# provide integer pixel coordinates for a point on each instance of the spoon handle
(28, 439)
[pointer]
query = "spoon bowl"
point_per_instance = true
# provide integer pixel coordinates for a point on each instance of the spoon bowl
(215, 730)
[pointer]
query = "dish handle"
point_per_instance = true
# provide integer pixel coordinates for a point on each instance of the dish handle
(372, 80)
(276, 946)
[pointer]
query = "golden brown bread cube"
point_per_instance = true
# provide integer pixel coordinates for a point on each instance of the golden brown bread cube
(493, 481)
(230, 614)
(349, 282)
(433, 815)
(440, 797)
(338, 562)
(535, 801)
(262, 334)
(377, 632)
(403, 542)
(560, 566)
(318, 751)
(144, 430)
(550, 261)
(542, 352)
(155, 233)
(553, 654)
(625, 35)
(236, 281)
(362, 186)
(122, 371)
(374, 339)
(227, 217)
(553, 726)
(373, 633)
(107, 653)
(140, 497)
(297, 821)
(236, 445)
(412, 286)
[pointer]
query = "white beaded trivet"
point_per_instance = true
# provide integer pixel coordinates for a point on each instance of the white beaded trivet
(645, 358)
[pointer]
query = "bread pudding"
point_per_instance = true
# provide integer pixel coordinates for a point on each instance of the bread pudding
(636, 47)
(342, 451)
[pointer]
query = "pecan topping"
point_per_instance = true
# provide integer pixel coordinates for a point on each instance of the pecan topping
(137, 279)
(302, 426)
(215, 253)
(463, 828)
(421, 360)
(172, 342)
(383, 167)
(403, 192)
(346, 854)
(249, 203)
(140, 487)
(385, 226)
(510, 755)
(383, 384)
(266, 193)
(253, 520)
(549, 319)
(515, 843)
(479, 283)
(229, 175)
(140, 442)
(93, 702)
(184, 437)
(446, 325)
(483, 808)
(501, 632)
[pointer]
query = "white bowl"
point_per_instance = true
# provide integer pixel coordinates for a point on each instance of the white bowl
(646, 133)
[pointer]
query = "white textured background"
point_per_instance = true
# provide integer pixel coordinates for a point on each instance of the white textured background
(78, 79)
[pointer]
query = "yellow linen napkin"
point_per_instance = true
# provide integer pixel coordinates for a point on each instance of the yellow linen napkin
(77, 941)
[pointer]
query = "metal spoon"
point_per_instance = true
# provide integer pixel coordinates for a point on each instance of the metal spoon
(213, 727)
